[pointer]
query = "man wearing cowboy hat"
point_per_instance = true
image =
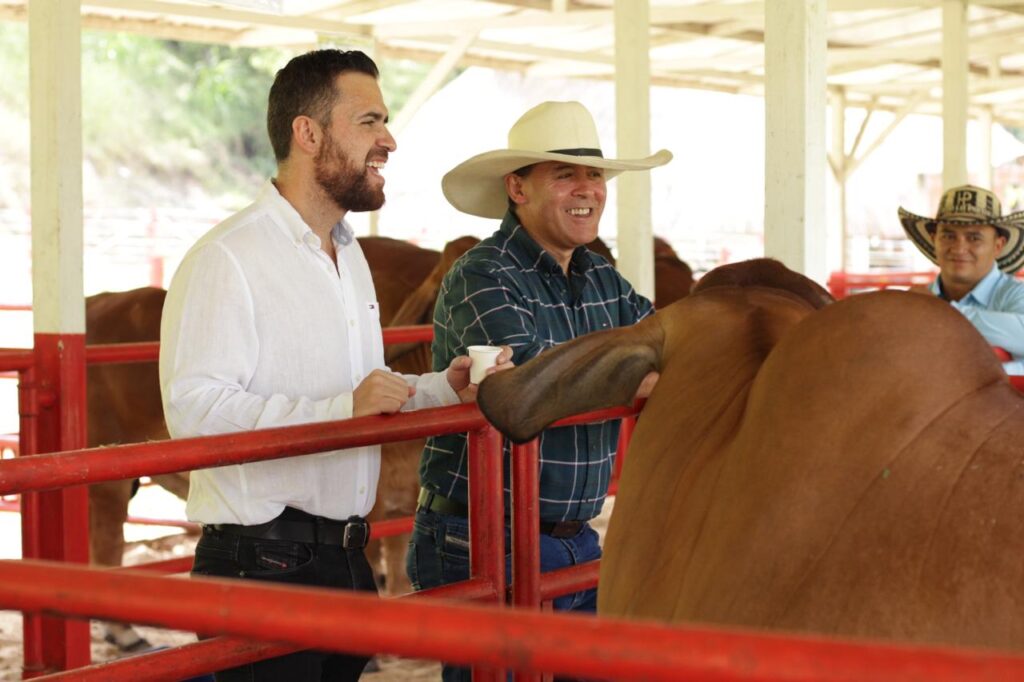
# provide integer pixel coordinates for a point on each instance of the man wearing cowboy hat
(531, 285)
(975, 247)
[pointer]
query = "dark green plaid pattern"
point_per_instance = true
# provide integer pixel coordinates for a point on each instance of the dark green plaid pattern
(508, 291)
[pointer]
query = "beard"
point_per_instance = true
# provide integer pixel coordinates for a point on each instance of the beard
(347, 185)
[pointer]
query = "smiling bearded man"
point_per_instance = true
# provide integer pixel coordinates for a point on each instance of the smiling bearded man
(975, 248)
(355, 187)
(531, 285)
(272, 320)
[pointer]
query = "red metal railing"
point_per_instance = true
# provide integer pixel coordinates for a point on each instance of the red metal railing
(842, 284)
(149, 351)
(492, 640)
(47, 471)
(566, 644)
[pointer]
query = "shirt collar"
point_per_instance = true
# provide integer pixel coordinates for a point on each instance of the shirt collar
(982, 292)
(294, 225)
(532, 253)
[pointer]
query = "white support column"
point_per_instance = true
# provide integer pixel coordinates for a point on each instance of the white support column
(55, 85)
(633, 140)
(795, 91)
(954, 93)
(55, 524)
(836, 244)
(985, 122)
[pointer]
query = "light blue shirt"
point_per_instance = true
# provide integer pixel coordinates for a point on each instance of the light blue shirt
(995, 306)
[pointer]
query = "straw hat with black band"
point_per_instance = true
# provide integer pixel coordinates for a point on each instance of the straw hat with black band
(969, 205)
(552, 131)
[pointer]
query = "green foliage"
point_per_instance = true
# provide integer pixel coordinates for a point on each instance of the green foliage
(178, 107)
(159, 115)
(14, 67)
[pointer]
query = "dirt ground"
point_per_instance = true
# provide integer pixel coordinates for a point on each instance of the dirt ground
(153, 543)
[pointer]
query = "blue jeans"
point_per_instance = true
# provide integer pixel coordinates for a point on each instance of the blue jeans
(228, 555)
(439, 554)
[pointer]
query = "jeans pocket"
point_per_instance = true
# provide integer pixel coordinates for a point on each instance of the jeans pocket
(453, 549)
(276, 559)
(216, 555)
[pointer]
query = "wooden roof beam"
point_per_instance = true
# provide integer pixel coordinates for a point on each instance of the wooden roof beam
(206, 12)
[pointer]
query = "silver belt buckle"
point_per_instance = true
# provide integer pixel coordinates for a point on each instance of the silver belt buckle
(357, 534)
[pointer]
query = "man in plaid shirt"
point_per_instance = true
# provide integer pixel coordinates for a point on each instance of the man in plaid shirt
(531, 285)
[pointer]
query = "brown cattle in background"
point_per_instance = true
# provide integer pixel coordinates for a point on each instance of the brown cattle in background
(124, 403)
(399, 483)
(673, 278)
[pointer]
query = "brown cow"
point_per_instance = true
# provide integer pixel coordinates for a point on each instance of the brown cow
(124, 399)
(852, 470)
(673, 278)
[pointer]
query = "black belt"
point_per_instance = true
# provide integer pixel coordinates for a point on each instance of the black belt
(295, 525)
(442, 505)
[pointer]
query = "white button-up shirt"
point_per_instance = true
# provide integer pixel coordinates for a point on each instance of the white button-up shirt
(260, 330)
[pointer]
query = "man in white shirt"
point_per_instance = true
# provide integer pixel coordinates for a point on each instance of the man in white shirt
(272, 320)
(977, 250)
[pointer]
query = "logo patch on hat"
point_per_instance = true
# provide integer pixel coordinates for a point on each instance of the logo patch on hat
(965, 201)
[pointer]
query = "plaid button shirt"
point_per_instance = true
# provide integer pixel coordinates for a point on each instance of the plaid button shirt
(509, 291)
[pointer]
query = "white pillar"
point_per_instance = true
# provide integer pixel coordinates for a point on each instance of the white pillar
(55, 524)
(836, 244)
(985, 122)
(55, 96)
(633, 140)
(795, 50)
(954, 93)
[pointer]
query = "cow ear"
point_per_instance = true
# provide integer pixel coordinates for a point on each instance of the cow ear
(592, 372)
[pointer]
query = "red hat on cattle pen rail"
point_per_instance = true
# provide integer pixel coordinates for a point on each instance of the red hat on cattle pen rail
(969, 205)
(551, 131)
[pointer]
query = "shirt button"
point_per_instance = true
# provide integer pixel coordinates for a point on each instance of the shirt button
(362, 490)
(351, 323)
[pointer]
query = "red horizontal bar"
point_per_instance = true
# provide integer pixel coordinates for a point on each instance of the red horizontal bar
(409, 334)
(887, 278)
(181, 564)
(562, 643)
(172, 665)
(149, 351)
(384, 529)
(569, 580)
(602, 415)
(16, 359)
(474, 589)
(105, 353)
(16, 307)
(91, 465)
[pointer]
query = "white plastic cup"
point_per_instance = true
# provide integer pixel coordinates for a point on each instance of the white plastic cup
(483, 357)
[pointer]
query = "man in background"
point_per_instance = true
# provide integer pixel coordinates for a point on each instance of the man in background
(977, 250)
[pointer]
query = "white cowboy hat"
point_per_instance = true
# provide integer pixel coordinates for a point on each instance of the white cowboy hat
(969, 205)
(552, 131)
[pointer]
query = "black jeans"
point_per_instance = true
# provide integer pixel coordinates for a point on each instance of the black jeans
(226, 555)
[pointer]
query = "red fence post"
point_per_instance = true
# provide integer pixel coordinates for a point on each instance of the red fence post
(487, 521)
(55, 525)
(28, 444)
(626, 427)
(526, 534)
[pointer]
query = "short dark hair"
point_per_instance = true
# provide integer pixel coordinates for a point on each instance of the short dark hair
(305, 87)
